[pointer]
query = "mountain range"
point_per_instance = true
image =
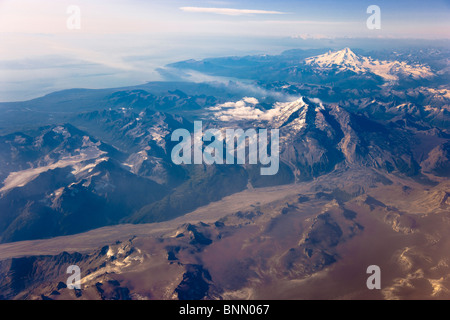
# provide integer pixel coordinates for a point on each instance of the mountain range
(86, 178)
(346, 60)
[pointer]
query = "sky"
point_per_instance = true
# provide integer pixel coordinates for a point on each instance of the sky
(48, 45)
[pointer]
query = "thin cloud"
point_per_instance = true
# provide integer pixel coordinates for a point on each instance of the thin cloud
(228, 11)
(293, 22)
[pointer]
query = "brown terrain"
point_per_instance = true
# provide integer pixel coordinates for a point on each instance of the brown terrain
(300, 241)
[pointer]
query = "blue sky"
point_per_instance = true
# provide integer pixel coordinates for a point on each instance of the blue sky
(122, 42)
(420, 19)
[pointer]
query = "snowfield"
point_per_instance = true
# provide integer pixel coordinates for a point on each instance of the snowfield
(347, 60)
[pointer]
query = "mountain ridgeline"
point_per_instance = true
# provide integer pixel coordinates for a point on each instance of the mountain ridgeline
(97, 158)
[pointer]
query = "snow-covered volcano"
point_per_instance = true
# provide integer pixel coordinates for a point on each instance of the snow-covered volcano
(347, 60)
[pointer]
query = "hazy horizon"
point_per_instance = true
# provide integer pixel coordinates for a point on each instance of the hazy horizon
(121, 43)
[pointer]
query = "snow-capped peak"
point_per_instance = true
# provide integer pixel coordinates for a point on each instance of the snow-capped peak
(347, 60)
(345, 57)
(246, 109)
